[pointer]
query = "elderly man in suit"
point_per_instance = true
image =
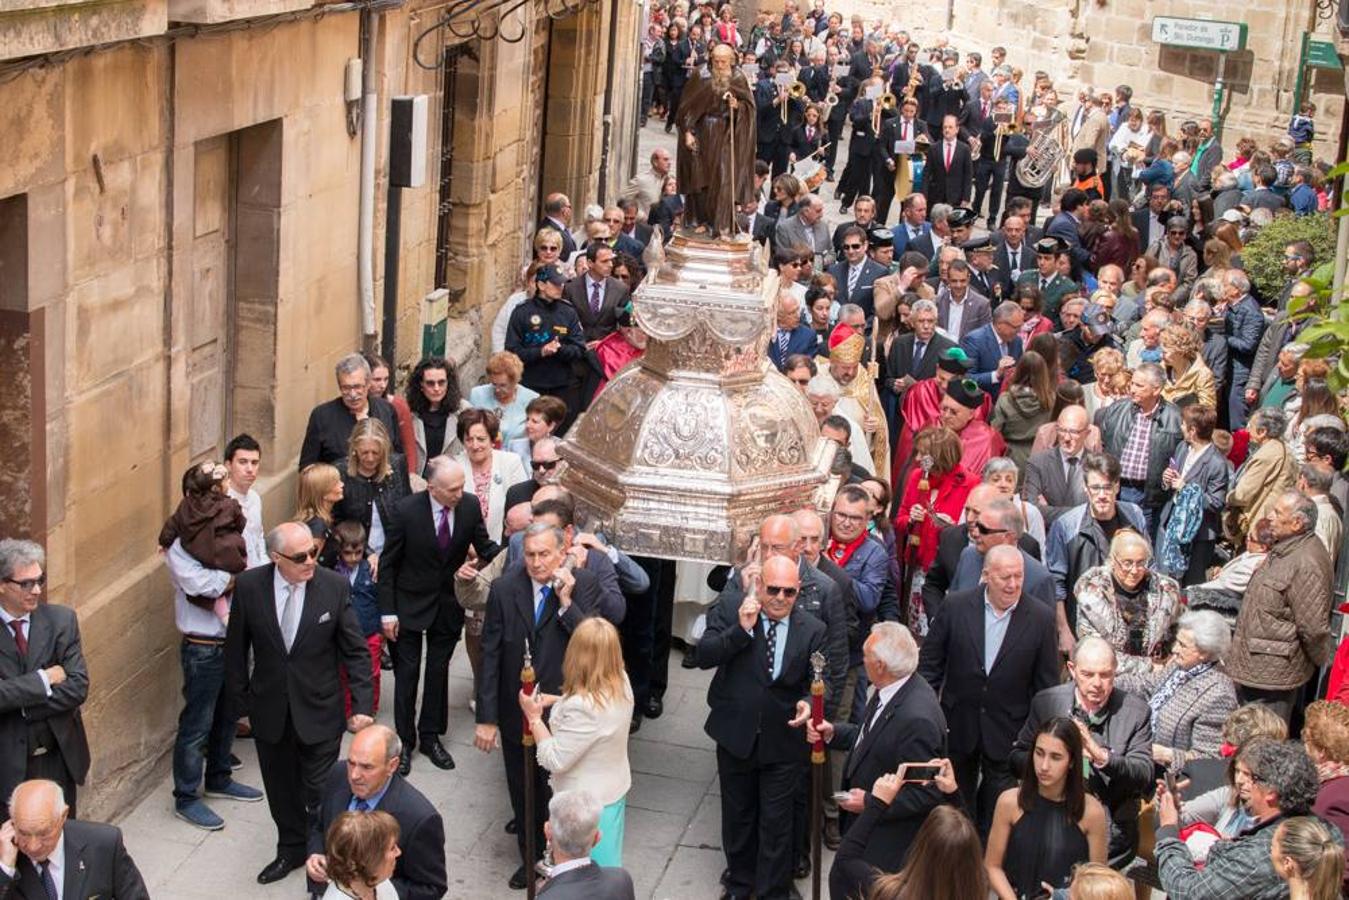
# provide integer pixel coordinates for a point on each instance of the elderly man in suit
(596, 295)
(1089, 127)
(43, 679)
(367, 780)
(949, 171)
(296, 622)
(856, 273)
(999, 523)
(792, 336)
(557, 215)
(995, 347)
(426, 541)
(1012, 253)
(761, 648)
(987, 656)
(959, 309)
(808, 230)
(536, 606)
(913, 357)
(572, 829)
(902, 722)
(1116, 732)
(1054, 477)
(41, 847)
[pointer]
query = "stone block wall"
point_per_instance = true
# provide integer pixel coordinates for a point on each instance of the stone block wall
(178, 237)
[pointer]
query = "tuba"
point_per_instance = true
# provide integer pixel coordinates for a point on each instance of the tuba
(1040, 162)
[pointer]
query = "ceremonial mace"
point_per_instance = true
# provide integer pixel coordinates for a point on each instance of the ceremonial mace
(816, 769)
(527, 687)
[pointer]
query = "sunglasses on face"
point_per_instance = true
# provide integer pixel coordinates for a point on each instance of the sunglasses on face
(27, 584)
(852, 246)
(546, 464)
(302, 557)
(775, 590)
(986, 531)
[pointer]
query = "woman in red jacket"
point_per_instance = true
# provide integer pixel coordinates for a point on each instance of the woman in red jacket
(934, 495)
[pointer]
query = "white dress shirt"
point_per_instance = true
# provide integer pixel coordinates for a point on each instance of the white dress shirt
(280, 586)
(887, 694)
(255, 541)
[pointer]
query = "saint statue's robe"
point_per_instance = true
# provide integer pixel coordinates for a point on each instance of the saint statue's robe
(717, 177)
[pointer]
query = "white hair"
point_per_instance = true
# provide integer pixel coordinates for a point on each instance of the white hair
(895, 648)
(1212, 635)
(573, 818)
(823, 385)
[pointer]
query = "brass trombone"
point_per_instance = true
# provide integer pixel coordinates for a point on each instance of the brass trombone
(884, 103)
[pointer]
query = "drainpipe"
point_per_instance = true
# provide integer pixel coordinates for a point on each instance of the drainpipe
(365, 242)
(607, 140)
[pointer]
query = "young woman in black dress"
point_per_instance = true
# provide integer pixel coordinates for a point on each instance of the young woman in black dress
(1048, 824)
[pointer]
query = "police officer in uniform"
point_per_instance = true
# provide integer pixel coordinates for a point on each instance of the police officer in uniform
(545, 333)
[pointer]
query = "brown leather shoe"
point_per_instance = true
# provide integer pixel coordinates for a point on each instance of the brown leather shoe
(830, 835)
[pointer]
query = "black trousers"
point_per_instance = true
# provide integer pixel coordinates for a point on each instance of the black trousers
(441, 639)
(882, 186)
(513, 755)
(637, 632)
(981, 780)
(672, 95)
(775, 154)
(757, 800)
(293, 775)
(835, 135)
(856, 178)
(988, 179)
(661, 627)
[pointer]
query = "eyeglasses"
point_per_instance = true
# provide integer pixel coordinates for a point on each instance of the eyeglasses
(1072, 432)
(302, 557)
(846, 517)
(27, 584)
(774, 590)
(986, 531)
(1132, 565)
(438, 382)
(546, 464)
(352, 390)
(1100, 488)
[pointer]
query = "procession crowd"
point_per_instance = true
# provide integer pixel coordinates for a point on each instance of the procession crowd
(1070, 609)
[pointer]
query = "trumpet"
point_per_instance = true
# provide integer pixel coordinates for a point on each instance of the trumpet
(883, 103)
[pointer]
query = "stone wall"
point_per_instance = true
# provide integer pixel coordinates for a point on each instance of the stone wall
(182, 217)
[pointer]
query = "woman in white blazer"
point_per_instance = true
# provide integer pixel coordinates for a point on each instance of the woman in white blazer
(585, 741)
(488, 473)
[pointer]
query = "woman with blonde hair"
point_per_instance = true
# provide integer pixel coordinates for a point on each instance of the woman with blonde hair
(1307, 856)
(503, 394)
(584, 743)
(1191, 380)
(1112, 380)
(374, 480)
(320, 489)
(361, 850)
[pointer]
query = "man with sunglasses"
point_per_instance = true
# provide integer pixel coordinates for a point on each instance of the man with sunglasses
(297, 623)
(999, 523)
(760, 643)
(856, 273)
(547, 468)
(44, 677)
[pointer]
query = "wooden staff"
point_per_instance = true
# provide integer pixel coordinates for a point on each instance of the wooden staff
(527, 686)
(816, 769)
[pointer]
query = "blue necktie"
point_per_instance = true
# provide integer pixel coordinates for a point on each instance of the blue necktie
(544, 593)
(48, 885)
(362, 806)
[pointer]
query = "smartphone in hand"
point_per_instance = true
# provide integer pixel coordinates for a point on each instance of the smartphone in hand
(918, 772)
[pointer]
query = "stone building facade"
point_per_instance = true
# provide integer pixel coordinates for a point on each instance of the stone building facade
(1104, 43)
(178, 262)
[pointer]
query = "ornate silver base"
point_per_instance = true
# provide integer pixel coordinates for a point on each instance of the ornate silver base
(688, 448)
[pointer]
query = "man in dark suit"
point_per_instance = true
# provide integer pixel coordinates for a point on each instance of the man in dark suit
(1116, 739)
(792, 336)
(864, 217)
(296, 621)
(633, 226)
(1150, 221)
(1000, 523)
(43, 679)
(426, 541)
(995, 347)
(951, 543)
(912, 223)
(761, 648)
(902, 722)
(1064, 226)
(855, 275)
(535, 605)
(1012, 253)
(544, 463)
(753, 223)
(976, 121)
(41, 844)
(368, 780)
(913, 357)
(949, 171)
(988, 654)
(572, 829)
(1054, 476)
(596, 296)
(557, 216)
